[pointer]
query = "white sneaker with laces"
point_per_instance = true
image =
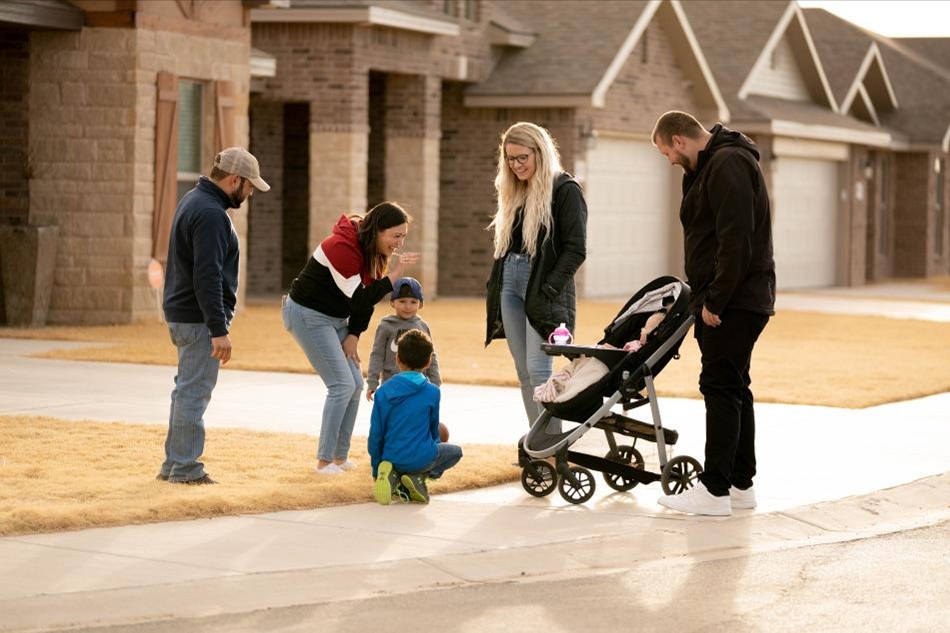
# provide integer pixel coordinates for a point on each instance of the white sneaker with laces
(697, 500)
(348, 465)
(742, 499)
(329, 469)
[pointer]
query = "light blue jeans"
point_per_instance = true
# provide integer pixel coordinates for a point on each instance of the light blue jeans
(321, 337)
(531, 363)
(197, 376)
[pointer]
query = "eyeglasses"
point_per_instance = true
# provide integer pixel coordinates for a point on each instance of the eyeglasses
(521, 160)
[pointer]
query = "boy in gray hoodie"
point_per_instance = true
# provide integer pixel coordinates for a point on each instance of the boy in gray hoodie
(406, 301)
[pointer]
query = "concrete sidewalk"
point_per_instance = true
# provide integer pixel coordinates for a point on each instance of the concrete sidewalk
(826, 475)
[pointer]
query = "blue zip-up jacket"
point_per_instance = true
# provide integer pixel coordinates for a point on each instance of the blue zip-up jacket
(404, 426)
(201, 276)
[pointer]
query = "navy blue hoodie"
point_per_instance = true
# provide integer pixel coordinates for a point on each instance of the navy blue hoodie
(201, 276)
(404, 425)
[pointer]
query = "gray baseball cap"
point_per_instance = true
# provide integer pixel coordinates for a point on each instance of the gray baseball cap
(240, 162)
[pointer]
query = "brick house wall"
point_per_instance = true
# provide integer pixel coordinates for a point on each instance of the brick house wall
(14, 133)
(469, 162)
(911, 213)
(265, 218)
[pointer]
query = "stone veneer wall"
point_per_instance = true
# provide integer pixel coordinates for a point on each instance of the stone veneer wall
(92, 136)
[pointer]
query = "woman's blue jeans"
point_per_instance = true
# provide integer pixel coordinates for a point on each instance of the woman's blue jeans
(321, 337)
(524, 342)
(196, 378)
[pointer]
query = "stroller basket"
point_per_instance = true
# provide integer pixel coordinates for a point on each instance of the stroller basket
(628, 375)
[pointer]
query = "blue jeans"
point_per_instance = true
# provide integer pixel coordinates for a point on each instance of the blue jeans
(197, 376)
(321, 337)
(524, 342)
(446, 456)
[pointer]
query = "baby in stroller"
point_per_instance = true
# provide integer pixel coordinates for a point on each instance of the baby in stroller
(640, 341)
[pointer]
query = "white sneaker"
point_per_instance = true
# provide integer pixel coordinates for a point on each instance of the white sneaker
(329, 469)
(348, 465)
(742, 499)
(697, 500)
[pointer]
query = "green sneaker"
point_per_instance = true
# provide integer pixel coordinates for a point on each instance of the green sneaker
(386, 481)
(416, 486)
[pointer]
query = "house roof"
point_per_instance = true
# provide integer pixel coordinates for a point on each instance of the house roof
(576, 42)
(732, 34)
(935, 49)
(578, 48)
(921, 87)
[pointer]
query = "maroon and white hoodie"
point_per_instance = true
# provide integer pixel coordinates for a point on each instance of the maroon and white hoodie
(336, 280)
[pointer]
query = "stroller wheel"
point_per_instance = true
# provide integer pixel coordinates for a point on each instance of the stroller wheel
(539, 478)
(680, 474)
(579, 490)
(625, 455)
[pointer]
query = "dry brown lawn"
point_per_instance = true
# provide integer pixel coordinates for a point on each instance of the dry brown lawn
(57, 475)
(802, 358)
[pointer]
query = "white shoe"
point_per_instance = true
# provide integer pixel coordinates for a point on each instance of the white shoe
(348, 465)
(697, 500)
(742, 499)
(329, 469)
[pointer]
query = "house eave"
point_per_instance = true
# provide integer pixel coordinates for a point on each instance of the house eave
(796, 129)
(369, 16)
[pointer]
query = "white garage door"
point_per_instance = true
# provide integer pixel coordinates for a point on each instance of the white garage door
(631, 211)
(805, 224)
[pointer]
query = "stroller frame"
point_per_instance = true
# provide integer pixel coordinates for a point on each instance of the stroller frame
(623, 466)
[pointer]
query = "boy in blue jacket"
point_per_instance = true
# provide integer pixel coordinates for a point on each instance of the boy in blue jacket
(404, 445)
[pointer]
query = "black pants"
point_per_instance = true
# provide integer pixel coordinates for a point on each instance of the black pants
(724, 382)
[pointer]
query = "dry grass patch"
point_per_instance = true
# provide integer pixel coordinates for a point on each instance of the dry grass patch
(802, 358)
(57, 475)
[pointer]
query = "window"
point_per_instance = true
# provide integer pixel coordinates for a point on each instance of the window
(190, 134)
(940, 166)
(451, 7)
(471, 10)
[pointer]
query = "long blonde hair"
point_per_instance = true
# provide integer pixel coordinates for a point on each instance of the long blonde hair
(534, 195)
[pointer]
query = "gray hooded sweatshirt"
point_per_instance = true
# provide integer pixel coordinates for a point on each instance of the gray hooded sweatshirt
(382, 362)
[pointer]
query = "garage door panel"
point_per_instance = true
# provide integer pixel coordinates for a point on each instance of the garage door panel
(805, 226)
(629, 202)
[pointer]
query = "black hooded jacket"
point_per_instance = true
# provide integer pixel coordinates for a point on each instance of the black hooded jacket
(727, 228)
(551, 296)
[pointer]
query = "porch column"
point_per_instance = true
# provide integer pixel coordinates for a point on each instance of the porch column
(413, 122)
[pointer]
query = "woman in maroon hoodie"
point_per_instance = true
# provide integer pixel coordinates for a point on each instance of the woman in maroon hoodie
(330, 305)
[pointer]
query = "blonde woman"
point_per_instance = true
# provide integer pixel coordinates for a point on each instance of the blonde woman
(540, 230)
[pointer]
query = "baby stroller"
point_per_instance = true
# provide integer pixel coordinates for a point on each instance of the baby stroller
(629, 373)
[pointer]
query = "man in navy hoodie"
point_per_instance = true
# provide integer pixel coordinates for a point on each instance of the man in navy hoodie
(201, 280)
(404, 445)
(727, 230)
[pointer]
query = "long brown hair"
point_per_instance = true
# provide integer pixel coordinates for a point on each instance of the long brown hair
(384, 215)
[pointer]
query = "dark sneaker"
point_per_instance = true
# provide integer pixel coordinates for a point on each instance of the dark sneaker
(386, 482)
(200, 481)
(400, 494)
(415, 485)
(161, 477)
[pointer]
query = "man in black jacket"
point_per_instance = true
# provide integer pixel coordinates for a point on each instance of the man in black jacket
(727, 229)
(201, 279)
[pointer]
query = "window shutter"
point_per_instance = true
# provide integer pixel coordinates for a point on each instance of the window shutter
(166, 162)
(224, 123)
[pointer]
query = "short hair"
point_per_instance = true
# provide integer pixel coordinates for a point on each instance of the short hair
(676, 123)
(414, 349)
(217, 174)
